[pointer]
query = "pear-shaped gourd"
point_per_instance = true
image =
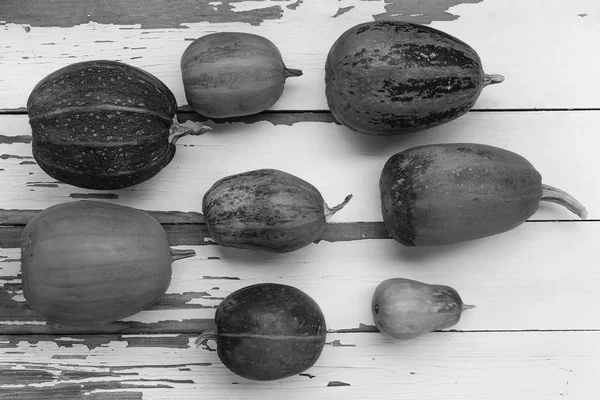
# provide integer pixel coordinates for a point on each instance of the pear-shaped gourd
(405, 308)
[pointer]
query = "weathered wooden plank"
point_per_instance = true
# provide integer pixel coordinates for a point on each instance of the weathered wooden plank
(546, 61)
(531, 278)
(337, 161)
(478, 365)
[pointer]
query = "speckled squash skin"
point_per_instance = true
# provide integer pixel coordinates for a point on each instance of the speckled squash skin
(405, 308)
(269, 331)
(449, 193)
(231, 74)
(88, 263)
(265, 209)
(101, 124)
(393, 77)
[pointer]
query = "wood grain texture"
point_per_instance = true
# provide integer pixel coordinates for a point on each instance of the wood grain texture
(334, 159)
(538, 365)
(533, 333)
(547, 61)
(523, 280)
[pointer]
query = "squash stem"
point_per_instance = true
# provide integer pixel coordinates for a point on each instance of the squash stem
(330, 211)
(205, 336)
(291, 72)
(556, 195)
(468, 306)
(178, 254)
(178, 131)
(492, 79)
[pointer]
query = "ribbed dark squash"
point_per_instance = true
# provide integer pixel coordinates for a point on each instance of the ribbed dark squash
(393, 77)
(266, 209)
(103, 124)
(268, 331)
(88, 263)
(442, 194)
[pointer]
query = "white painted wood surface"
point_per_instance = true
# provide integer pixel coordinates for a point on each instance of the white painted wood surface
(543, 48)
(534, 332)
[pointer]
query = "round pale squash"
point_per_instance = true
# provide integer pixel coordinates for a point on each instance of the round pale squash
(231, 74)
(103, 125)
(88, 263)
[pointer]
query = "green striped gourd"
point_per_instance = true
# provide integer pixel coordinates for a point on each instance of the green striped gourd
(266, 209)
(392, 77)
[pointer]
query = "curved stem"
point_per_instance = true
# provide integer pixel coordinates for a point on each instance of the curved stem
(178, 254)
(205, 336)
(492, 79)
(179, 131)
(468, 306)
(330, 211)
(291, 72)
(555, 195)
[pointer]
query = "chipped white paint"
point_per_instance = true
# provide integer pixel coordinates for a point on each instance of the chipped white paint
(333, 158)
(545, 67)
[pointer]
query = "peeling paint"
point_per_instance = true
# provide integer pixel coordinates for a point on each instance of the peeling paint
(337, 383)
(15, 139)
(421, 12)
(157, 14)
(104, 196)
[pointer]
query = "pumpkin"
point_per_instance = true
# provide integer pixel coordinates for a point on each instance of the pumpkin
(405, 308)
(266, 209)
(231, 74)
(268, 331)
(89, 263)
(443, 194)
(103, 125)
(393, 77)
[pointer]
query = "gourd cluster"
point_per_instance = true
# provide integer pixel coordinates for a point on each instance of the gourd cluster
(105, 125)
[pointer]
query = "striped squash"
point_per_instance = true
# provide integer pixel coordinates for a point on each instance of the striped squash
(392, 77)
(266, 209)
(103, 124)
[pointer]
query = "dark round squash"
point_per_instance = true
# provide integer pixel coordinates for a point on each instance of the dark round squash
(103, 124)
(88, 263)
(268, 331)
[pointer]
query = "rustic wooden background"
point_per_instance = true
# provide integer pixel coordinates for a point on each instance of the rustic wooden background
(535, 330)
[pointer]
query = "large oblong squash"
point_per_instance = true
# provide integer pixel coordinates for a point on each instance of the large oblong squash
(89, 263)
(393, 77)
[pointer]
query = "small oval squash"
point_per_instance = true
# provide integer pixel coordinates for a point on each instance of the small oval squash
(268, 331)
(231, 74)
(88, 263)
(393, 77)
(442, 194)
(266, 209)
(103, 125)
(405, 308)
